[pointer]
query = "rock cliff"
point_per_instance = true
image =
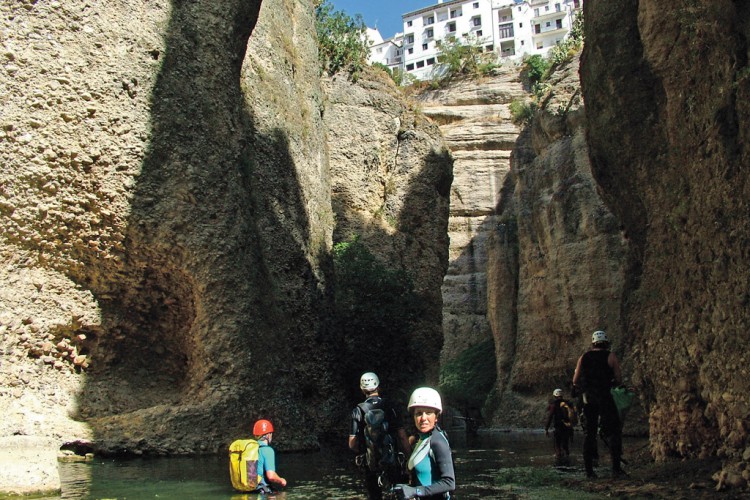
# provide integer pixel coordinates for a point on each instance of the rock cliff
(666, 91)
(556, 259)
(167, 222)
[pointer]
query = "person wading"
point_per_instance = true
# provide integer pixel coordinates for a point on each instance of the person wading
(431, 463)
(597, 371)
(376, 432)
(561, 417)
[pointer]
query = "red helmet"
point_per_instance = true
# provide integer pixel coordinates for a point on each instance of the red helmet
(262, 427)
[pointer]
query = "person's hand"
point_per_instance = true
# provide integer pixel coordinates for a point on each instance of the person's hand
(282, 481)
(404, 491)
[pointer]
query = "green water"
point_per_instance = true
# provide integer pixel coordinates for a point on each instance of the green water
(492, 465)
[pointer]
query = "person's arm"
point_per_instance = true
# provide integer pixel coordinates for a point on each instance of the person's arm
(614, 363)
(444, 462)
(269, 458)
(353, 441)
(577, 374)
(404, 439)
(550, 414)
(272, 477)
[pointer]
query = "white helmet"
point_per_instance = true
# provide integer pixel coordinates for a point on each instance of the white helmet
(599, 336)
(369, 382)
(426, 396)
(557, 393)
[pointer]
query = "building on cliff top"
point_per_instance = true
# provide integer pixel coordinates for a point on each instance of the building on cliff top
(510, 28)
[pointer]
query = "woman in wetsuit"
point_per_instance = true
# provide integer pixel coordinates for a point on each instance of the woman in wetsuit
(431, 462)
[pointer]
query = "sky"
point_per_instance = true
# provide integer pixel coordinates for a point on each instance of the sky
(382, 14)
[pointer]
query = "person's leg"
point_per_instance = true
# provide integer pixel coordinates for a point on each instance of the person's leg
(612, 430)
(591, 412)
(557, 439)
(373, 488)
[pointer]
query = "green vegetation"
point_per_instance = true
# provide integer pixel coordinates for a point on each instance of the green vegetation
(521, 112)
(375, 310)
(467, 380)
(463, 57)
(537, 70)
(342, 40)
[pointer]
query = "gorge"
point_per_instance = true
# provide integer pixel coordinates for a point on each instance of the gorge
(176, 175)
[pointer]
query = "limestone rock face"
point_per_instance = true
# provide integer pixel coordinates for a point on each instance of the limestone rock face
(391, 178)
(166, 222)
(474, 118)
(667, 93)
(556, 265)
(164, 234)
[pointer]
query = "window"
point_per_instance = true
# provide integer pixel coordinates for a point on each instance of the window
(409, 67)
(429, 20)
(430, 33)
(410, 50)
(475, 5)
(420, 64)
(489, 48)
(557, 7)
(523, 43)
(540, 45)
(424, 46)
(520, 25)
(451, 27)
(455, 13)
(536, 13)
(430, 61)
(506, 30)
(409, 38)
(558, 24)
(476, 21)
(548, 24)
(546, 8)
(479, 32)
(408, 23)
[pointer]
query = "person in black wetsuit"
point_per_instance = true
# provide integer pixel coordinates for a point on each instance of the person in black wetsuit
(376, 480)
(597, 371)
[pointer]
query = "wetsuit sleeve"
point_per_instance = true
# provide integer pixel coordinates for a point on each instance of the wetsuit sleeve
(355, 421)
(444, 463)
(395, 420)
(269, 458)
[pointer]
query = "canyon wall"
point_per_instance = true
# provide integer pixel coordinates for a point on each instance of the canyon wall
(167, 223)
(556, 260)
(666, 91)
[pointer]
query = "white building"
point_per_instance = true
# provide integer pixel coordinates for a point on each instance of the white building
(387, 52)
(510, 28)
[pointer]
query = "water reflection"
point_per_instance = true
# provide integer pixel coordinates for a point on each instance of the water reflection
(489, 465)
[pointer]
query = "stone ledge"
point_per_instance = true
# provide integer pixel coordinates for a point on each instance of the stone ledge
(28, 466)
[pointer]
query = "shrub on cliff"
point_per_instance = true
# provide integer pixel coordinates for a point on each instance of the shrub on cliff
(462, 57)
(467, 380)
(375, 309)
(342, 40)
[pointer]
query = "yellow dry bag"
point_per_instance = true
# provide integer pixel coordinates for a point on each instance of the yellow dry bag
(243, 464)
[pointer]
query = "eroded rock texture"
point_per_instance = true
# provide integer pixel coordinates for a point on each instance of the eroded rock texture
(666, 90)
(166, 213)
(474, 117)
(556, 259)
(391, 177)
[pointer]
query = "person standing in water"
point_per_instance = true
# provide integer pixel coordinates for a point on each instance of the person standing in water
(561, 417)
(431, 462)
(597, 371)
(263, 432)
(384, 415)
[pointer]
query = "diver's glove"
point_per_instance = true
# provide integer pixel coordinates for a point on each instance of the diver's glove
(404, 491)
